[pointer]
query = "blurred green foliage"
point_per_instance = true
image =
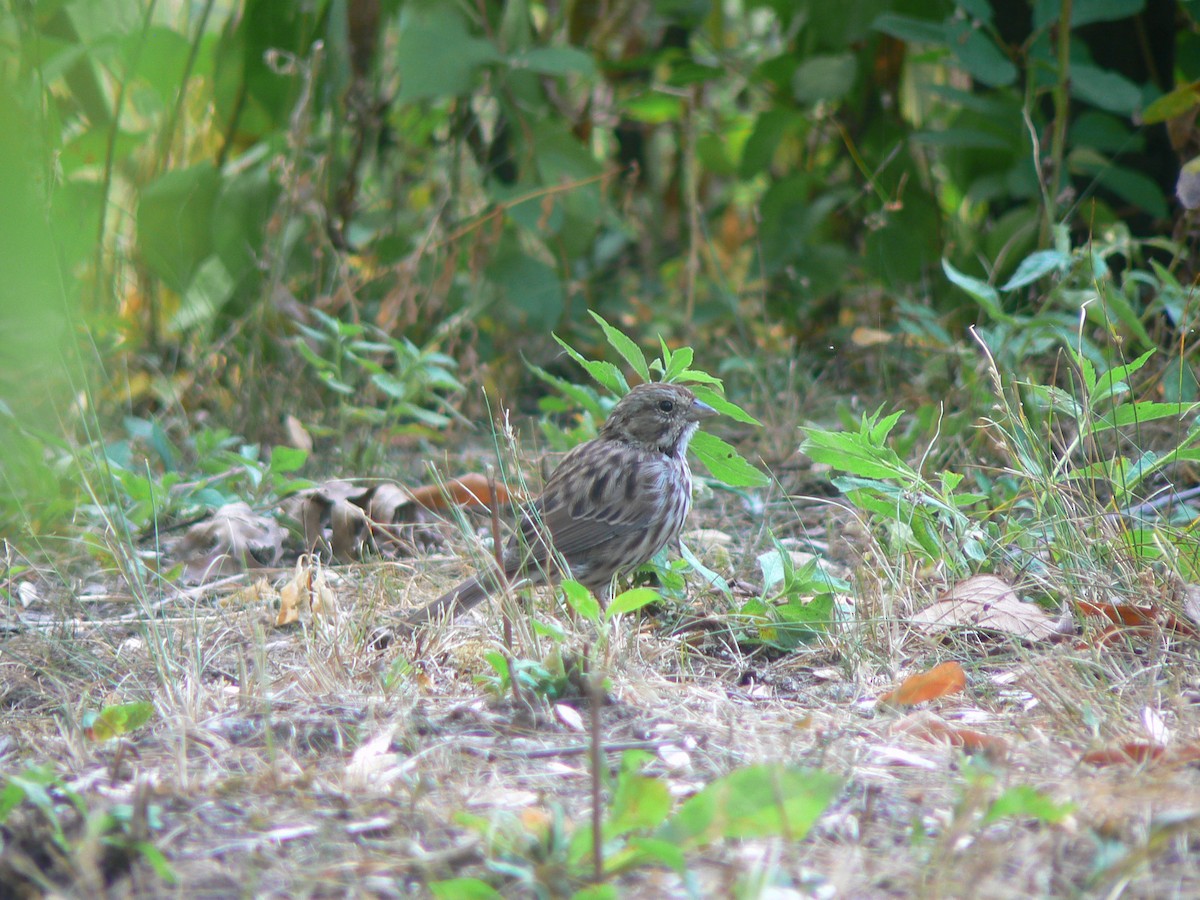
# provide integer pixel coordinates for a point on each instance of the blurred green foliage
(192, 186)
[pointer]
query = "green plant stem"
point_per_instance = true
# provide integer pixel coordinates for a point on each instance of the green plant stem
(1058, 140)
(596, 755)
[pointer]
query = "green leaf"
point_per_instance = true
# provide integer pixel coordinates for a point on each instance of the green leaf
(978, 54)
(606, 374)
(287, 459)
(982, 292)
(1117, 305)
(772, 126)
(624, 345)
(174, 222)
(113, 721)
(1105, 89)
(1174, 104)
(555, 61)
(910, 30)
(531, 288)
(723, 406)
(654, 108)
(1134, 187)
(856, 454)
(771, 800)
(436, 56)
(724, 463)
(1140, 413)
(1106, 385)
(824, 77)
(630, 600)
(640, 803)
(463, 889)
(1035, 266)
(581, 600)
(707, 574)
(1026, 802)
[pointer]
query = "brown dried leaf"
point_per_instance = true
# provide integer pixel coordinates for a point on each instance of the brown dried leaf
(936, 730)
(987, 603)
(232, 538)
(1137, 615)
(471, 489)
(308, 586)
(298, 435)
(941, 680)
(340, 517)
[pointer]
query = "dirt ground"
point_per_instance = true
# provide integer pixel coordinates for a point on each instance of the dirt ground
(320, 760)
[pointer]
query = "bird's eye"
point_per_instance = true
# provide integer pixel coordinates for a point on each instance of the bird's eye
(666, 405)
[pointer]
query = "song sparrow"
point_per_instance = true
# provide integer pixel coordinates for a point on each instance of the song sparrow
(612, 503)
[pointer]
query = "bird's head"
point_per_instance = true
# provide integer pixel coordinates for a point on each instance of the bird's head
(657, 416)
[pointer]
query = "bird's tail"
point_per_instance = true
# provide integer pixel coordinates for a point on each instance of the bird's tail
(454, 602)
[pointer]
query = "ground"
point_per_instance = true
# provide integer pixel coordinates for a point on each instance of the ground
(334, 757)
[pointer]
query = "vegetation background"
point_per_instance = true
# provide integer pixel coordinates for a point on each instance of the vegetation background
(248, 241)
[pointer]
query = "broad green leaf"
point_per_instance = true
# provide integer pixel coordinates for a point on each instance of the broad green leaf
(982, 292)
(1175, 103)
(724, 463)
(1105, 89)
(723, 406)
(581, 600)
(705, 573)
(639, 803)
(771, 800)
(1107, 384)
(1117, 305)
(1036, 265)
(630, 600)
(824, 77)
(174, 222)
(624, 345)
(606, 374)
(113, 721)
(287, 459)
(978, 54)
(1138, 413)
(654, 108)
(532, 288)
(463, 889)
(555, 61)
(436, 55)
(1026, 802)
(910, 30)
(849, 452)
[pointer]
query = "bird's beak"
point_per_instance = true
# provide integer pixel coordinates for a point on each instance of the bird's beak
(700, 410)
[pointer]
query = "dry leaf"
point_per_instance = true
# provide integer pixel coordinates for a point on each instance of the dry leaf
(936, 730)
(471, 489)
(341, 516)
(863, 336)
(232, 538)
(987, 603)
(947, 678)
(298, 435)
(1135, 615)
(308, 586)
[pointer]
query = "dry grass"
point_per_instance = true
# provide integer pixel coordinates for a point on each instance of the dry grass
(310, 761)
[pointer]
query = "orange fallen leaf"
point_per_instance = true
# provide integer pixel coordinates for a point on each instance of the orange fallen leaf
(932, 728)
(1129, 752)
(1136, 614)
(1143, 752)
(471, 489)
(948, 678)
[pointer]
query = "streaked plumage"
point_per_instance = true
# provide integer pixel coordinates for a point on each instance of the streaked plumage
(612, 503)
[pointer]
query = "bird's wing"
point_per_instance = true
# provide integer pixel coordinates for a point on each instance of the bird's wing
(585, 505)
